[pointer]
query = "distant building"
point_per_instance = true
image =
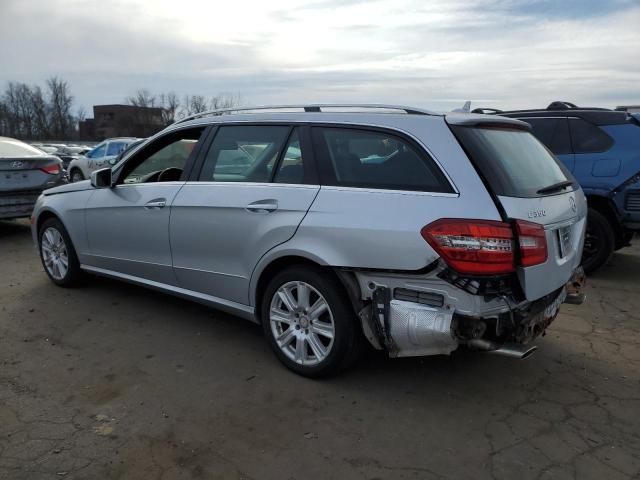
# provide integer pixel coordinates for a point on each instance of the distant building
(121, 121)
(86, 129)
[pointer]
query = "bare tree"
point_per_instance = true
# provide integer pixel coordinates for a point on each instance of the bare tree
(142, 98)
(41, 113)
(60, 101)
(170, 105)
(225, 100)
(193, 104)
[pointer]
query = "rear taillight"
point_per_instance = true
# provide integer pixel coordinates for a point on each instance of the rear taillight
(533, 243)
(475, 247)
(53, 169)
(485, 247)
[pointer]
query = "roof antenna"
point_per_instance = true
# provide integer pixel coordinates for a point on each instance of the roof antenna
(466, 108)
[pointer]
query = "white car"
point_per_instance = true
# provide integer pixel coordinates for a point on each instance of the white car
(103, 155)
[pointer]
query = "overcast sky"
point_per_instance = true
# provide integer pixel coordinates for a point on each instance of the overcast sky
(429, 53)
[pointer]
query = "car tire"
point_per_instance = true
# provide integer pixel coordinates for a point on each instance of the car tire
(599, 243)
(56, 249)
(313, 342)
(76, 176)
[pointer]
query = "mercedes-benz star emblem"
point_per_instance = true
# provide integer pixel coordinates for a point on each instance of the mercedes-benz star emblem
(572, 202)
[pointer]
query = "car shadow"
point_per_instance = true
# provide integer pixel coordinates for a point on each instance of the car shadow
(14, 228)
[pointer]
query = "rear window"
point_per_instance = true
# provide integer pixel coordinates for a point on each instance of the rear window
(587, 138)
(553, 132)
(513, 162)
(375, 159)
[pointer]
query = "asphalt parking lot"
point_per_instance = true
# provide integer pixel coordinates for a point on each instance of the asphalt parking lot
(112, 381)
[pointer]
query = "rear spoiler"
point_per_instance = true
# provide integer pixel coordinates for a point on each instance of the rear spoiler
(478, 120)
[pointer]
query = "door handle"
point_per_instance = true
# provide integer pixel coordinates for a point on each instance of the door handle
(263, 206)
(155, 203)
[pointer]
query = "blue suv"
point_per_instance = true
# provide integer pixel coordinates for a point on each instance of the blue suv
(601, 147)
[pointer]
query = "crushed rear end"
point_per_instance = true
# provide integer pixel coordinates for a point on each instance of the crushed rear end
(497, 285)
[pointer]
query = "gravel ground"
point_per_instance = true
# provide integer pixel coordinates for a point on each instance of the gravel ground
(112, 381)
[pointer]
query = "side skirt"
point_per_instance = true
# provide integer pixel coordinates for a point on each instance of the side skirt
(244, 311)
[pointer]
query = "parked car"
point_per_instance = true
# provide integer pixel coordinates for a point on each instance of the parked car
(24, 172)
(467, 232)
(102, 155)
(601, 148)
(48, 149)
(68, 153)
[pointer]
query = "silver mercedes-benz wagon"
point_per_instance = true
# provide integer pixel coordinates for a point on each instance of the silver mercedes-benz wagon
(336, 225)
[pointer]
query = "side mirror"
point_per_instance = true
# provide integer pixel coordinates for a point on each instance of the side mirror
(101, 178)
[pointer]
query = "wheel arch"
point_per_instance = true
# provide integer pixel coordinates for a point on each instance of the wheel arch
(607, 208)
(265, 271)
(45, 215)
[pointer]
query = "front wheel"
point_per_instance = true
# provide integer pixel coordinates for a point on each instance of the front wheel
(58, 256)
(76, 176)
(599, 242)
(309, 322)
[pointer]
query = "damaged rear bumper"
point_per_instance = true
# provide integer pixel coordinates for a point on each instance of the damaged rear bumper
(430, 322)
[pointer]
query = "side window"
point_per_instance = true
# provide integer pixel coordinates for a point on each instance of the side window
(587, 138)
(244, 153)
(291, 169)
(162, 160)
(373, 159)
(115, 148)
(98, 152)
(553, 132)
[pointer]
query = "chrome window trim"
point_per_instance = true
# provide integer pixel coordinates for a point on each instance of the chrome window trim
(390, 191)
(333, 123)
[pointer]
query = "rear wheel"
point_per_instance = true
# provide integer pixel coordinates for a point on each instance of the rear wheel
(599, 242)
(309, 322)
(58, 256)
(76, 176)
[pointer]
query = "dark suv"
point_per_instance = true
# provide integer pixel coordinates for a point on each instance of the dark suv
(601, 147)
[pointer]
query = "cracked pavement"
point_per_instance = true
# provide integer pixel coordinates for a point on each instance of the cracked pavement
(111, 381)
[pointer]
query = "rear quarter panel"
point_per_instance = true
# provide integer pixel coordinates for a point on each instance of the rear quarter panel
(380, 229)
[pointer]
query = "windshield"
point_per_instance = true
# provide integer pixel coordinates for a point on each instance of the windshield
(513, 162)
(15, 148)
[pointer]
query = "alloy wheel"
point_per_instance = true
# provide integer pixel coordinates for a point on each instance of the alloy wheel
(54, 253)
(302, 323)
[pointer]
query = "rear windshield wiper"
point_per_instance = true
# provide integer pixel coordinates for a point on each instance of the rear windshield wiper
(555, 187)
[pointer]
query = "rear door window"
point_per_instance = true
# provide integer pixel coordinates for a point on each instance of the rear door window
(587, 138)
(553, 132)
(375, 159)
(293, 168)
(513, 162)
(244, 153)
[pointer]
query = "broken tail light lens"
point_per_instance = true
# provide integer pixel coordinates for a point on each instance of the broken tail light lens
(532, 242)
(52, 169)
(473, 247)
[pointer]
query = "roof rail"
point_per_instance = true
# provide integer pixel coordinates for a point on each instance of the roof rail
(486, 110)
(317, 107)
(559, 105)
